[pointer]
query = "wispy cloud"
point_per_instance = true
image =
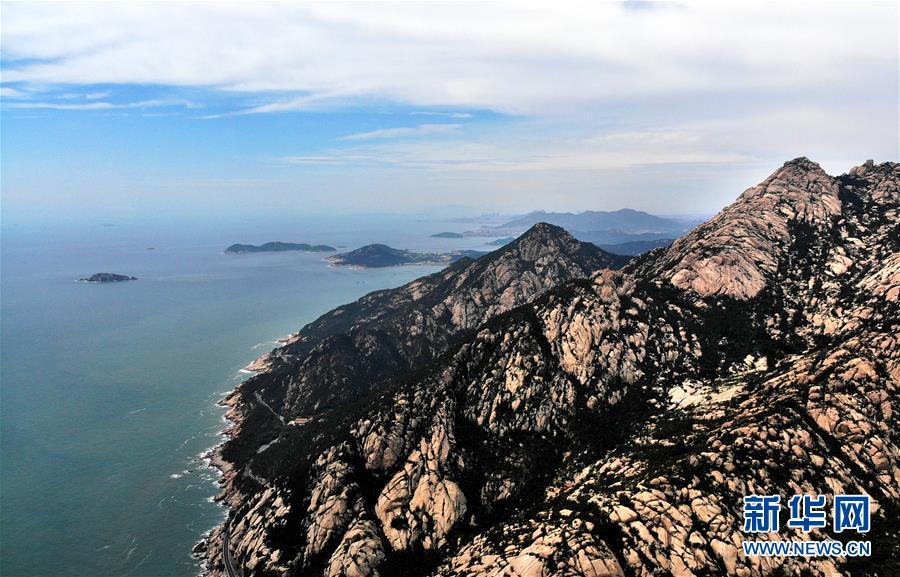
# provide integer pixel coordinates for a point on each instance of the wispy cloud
(514, 153)
(83, 96)
(7, 92)
(101, 105)
(460, 115)
(308, 102)
(403, 132)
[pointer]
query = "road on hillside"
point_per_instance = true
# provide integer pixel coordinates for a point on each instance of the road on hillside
(226, 552)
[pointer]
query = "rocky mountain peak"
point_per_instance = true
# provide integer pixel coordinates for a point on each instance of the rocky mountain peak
(735, 253)
(544, 230)
(802, 164)
(543, 239)
(800, 190)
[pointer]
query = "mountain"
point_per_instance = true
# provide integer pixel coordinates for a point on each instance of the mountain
(610, 425)
(598, 227)
(345, 353)
(279, 247)
(626, 219)
(381, 255)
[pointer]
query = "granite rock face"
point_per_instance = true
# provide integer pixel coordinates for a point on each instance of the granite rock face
(733, 253)
(611, 425)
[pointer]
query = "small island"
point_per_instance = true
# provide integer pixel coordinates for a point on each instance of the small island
(381, 255)
(502, 241)
(448, 235)
(108, 277)
(278, 247)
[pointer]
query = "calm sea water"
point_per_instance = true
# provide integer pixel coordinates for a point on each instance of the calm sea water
(108, 392)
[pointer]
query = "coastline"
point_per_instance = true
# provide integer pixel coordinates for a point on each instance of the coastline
(263, 362)
(208, 549)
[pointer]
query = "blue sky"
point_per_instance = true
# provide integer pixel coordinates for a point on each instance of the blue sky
(169, 109)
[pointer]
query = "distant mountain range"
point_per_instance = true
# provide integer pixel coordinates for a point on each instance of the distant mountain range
(599, 227)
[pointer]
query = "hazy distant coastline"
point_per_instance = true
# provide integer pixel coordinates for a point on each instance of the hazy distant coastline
(382, 255)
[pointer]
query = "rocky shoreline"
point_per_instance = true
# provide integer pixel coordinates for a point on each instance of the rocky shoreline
(208, 549)
(210, 544)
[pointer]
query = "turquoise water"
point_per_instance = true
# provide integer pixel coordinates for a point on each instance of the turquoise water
(108, 392)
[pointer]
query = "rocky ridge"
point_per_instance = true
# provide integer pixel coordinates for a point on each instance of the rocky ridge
(611, 425)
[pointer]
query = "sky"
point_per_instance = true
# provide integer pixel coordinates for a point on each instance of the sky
(216, 109)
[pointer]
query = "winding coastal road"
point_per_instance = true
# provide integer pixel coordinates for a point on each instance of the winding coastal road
(226, 553)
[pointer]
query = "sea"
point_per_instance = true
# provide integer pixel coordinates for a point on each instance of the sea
(108, 392)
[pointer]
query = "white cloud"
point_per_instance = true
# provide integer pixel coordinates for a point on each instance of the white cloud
(632, 100)
(765, 138)
(460, 115)
(404, 132)
(102, 105)
(83, 96)
(507, 153)
(6, 92)
(531, 58)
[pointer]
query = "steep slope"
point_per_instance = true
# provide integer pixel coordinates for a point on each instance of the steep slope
(612, 425)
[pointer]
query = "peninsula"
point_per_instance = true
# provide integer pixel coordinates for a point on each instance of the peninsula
(382, 255)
